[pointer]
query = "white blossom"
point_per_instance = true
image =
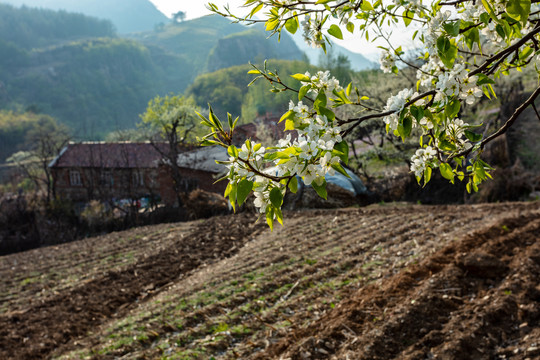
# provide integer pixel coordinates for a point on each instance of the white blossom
(420, 160)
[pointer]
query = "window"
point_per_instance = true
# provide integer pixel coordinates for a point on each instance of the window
(137, 178)
(75, 178)
(106, 178)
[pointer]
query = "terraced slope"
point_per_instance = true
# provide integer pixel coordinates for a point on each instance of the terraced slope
(386, 282)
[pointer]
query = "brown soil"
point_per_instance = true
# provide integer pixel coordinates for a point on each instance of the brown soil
(385, 282)
(36, 330)
(477, 298)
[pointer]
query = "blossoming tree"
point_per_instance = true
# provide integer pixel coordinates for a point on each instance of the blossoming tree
(466, 46)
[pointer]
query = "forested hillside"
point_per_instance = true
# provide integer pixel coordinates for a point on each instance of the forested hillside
(29, 28)
(228, 91)
(212, 42)
(251, 45)
(94, 86)
(15, 127)
(76, 69)
(127, 15)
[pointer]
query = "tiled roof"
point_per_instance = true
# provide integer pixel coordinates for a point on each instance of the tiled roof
(204, 159)
(110, 155)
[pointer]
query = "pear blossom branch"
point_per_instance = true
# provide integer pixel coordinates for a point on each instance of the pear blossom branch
(505, 127)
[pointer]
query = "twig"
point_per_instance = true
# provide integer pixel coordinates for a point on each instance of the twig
(265, 323)
(448, 289)
(290, 291)
(536, 110)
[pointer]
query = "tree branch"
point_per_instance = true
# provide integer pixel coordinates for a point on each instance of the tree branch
(506, 126)
(361, 119)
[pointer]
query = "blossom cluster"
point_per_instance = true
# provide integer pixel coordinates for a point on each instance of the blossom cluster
(321, 81)
(312, 31)
(421, 160)
(396, 104)
(309, 155)
(387, 61)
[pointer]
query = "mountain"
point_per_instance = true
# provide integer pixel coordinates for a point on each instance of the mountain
(358, 61)
(210, 43)
(76, 68)
(191, 40)
(29, 28)
(127, 15)
(94, 86)
(251, 45)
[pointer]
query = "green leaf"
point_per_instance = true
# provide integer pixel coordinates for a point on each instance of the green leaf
(335, 31)
(291, 25)
(526, 52)
(417, 112)
(484, 79)
(406, 127)
(452, 109)
(408, 17)
(279, 215)
(303, 91)
(288, 115)
(227, 190)
(232, 151)
(244, 189)
(276, 197)
(473, 137)
(293, 185)
(366, 6)
(484, 17)
(341, 170)
(452, 28)
(446, 51)
(320, 101)
(427, 175)
(320, 189)
(518, 9)
(230, 120)
(342, 149)
(289, 125)
(490, 10)
(350, 27)
(322, 1)
(271, 25)
(349, 89)
(255, 10)
(341, 94)
(446, 145)
(232, 195)
(446, 172)
(472, 37)
(326, 112)
(270, 217)
(301, 77)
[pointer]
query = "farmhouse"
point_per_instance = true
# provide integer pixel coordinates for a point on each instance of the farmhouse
(128, 170)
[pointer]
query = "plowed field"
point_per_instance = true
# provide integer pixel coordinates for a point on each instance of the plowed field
(384, 282)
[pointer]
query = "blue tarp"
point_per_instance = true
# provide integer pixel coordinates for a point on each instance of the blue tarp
(352, 184)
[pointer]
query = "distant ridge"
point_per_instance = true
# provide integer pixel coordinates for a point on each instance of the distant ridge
(127, 15)
(358, 61)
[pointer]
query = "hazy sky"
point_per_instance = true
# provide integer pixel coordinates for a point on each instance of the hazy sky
(192, 8)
